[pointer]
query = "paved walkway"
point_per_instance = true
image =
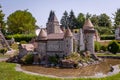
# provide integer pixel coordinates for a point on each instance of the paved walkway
(97, 75)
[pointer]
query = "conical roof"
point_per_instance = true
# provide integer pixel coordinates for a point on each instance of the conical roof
(88, 25)
(52, 17)
(55, 18)
(42, 35)
(68, 33)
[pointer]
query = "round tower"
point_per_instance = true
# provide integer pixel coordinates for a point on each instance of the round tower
(68, 40)
(41, 41)
(89, 33)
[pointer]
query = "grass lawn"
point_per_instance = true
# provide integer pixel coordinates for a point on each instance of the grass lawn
(105, 54)
(7, 72)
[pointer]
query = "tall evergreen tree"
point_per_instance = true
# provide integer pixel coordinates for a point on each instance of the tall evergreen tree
(80, 20)
(117, 18)
(65, 19)
(88, 15)
(72, 20)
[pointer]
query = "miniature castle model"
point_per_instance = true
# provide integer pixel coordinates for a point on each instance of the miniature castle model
(54, 41)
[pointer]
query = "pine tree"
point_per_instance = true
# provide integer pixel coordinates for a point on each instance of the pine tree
(65, 20)
(72, 20)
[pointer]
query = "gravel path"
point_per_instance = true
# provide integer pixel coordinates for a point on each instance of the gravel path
(97, 75)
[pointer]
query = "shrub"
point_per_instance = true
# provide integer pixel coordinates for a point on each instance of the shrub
(97, 46)
(53, 59)
(14, 46)
(21, 37)
(113, 47)
(104, 48)
(28, 58)
(3, 50)
(107, 37)
(23, 42)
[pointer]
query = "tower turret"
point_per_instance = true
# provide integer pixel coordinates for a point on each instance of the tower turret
(68, 40)
(53, 24)
(89, 33)
(42, 35)
(41, 42)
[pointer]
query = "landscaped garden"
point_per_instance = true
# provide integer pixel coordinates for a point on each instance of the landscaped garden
(7, 72)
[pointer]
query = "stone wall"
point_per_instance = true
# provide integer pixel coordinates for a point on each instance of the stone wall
(89, 42)
(55, 47)
(41, 48)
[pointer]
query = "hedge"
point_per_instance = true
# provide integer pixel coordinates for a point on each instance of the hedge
(107, 37)
(21, 37)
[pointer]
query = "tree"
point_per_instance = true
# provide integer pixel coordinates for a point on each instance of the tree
(2, 23)
(21, 22)
(117, 18)
(113, 47)
(65, 20)
(88, 15)
(80, 20)
(72, 20)
(104, 20)
(94, 20)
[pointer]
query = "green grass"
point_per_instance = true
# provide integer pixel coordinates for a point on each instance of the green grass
(7, 72)
(105, 54)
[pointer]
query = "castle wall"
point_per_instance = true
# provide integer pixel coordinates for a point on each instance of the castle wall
(68, 47)
(89, 42)
(41, 48)
(55, 47)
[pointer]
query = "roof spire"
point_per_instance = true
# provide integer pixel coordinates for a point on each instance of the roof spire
(68, 33)
(88, 24)
(42, 35)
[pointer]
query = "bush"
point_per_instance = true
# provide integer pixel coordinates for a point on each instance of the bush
(107, 37)
(28, 59)
(3, 50)
(21, 37)
(53, 59)
(97, 46)
(104, 48)
(113, 47)
(23, 42)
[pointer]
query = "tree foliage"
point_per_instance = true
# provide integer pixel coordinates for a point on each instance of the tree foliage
(21, 22)
(72, 20)
(117, 18)
(113, 47)
(2, 23)
(65, 20)
(80, 20)
(104, 20)
(94, 20)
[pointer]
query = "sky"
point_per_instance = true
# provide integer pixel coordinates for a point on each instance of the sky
(40, 9)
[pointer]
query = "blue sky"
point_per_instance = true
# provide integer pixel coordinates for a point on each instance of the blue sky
(40, 8)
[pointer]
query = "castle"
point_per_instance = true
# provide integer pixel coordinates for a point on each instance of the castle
(53, 40)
